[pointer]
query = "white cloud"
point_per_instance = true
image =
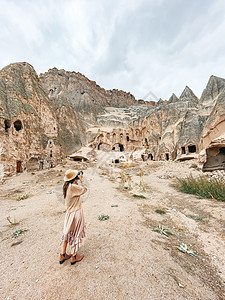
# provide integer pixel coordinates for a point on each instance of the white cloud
(137, 46)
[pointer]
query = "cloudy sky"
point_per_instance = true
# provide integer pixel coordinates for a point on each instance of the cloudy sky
(139, 46)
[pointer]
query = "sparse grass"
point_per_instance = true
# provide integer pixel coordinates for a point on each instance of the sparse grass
(18, 232)
(125, 181)
(141, 184)
(160, 229)
(139, 196)
(23, 197)
(16, 243)
(197, 218)
(12, 222)
(201, 186)
(184, 248)
(111, 176)
(160, 211)
(103, 217)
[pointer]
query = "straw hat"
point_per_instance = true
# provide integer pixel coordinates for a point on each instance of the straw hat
(70, 174)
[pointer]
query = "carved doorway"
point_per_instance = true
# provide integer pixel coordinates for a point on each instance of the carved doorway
(18, 166)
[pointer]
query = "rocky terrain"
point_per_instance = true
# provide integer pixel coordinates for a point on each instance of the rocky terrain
(124, 257)
(45, 118)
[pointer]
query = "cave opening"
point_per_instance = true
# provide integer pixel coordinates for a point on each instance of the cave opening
(121, 147)
(18, 125)
(7, 124)
(167, 156)
(215, 159)
(222, 150)
(183, 151)
(41, 166)
(19, 166)
(150, 156)
(192, 149)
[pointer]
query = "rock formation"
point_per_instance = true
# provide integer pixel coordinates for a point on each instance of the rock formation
(173, 129)
(43, 119)
(214, 87)
(29, 128)
(212, 139)
(87, 98)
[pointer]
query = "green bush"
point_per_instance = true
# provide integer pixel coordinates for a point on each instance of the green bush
(139, 196)
(212, 187)
(160, 211)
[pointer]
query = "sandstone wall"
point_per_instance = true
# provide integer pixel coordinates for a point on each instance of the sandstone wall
(43, 119)
(173, 129)
(29, 129)
(87, 98)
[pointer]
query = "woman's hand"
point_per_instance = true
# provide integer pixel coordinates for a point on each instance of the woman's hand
(80, 177)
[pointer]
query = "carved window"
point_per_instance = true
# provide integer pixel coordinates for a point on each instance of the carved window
(192, 149)
(7, 124)
(183, 151)
(222, 150)
(150, 156)
(18, 125)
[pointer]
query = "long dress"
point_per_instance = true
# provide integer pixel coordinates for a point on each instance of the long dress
(74, 224)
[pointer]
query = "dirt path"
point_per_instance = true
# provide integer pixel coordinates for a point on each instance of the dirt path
(124, 258)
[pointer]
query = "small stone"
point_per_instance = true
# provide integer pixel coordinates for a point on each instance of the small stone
(50, 192)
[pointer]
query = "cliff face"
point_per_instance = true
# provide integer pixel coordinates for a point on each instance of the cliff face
(172, 129)
(213, 88)
(176, 124)
(215, 125)
(187, 125)
(44, 118)
(87, 98)
(29, 129)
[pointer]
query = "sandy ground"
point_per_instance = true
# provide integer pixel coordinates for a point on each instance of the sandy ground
(124, 257)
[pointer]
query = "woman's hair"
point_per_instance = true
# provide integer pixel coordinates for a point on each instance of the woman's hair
(66, 185)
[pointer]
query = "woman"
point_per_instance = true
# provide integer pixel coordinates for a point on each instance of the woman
(74, 225)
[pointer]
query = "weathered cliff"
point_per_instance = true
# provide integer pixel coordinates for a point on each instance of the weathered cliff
(29, 129)
(44, 118)
(87, 98)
